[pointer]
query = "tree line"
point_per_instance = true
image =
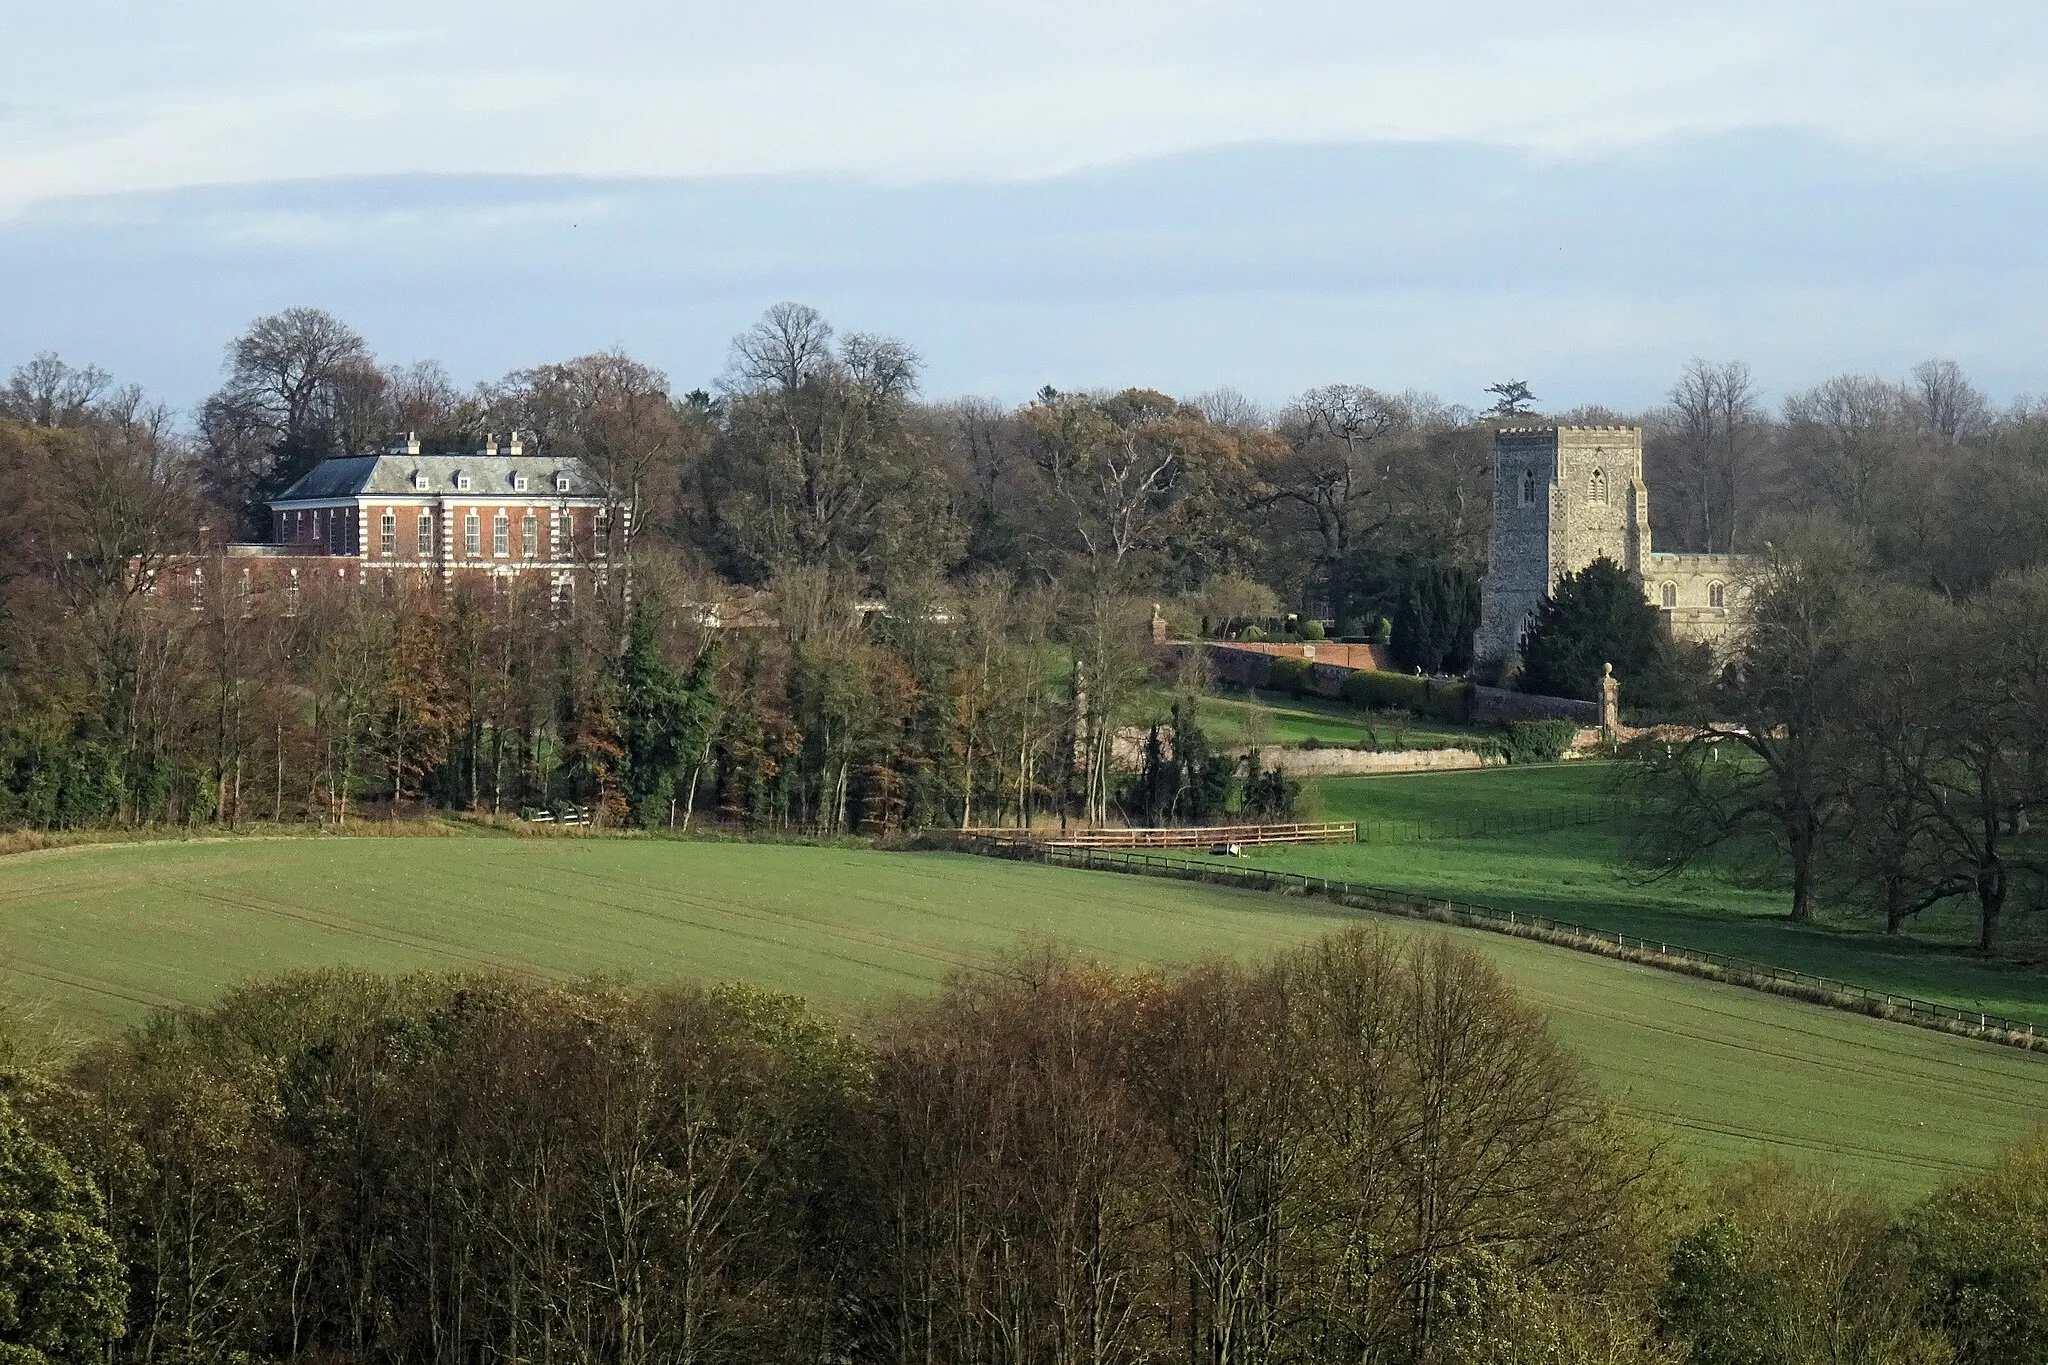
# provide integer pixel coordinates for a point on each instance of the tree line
(1019, 551)
(1368, 1149)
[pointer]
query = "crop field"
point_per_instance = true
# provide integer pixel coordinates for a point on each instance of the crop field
(1577, 872)
(91, 938)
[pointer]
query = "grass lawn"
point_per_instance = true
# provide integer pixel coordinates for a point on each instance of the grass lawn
(1277, 718)
(1576, 873)
(90, 938)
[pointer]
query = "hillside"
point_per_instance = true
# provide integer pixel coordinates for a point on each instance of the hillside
(90, 938)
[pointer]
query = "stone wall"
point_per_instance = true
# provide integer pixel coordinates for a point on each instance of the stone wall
(1247, 665)
(1357, 762)
(1499, 706)
(1683, 585)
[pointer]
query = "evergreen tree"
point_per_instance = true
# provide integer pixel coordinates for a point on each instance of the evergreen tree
(1434, 622)
(1595, 617)
(662, 720)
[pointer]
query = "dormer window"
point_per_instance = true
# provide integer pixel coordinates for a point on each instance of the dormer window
(518, 483)
(462, 483)
(561, 483)
(419, 480)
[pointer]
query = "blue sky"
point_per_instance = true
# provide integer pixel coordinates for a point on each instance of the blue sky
(1189, 196)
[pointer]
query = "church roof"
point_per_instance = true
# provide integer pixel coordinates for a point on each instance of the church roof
(394, 475)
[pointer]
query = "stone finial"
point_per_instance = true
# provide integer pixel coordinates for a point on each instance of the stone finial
(1158, 625)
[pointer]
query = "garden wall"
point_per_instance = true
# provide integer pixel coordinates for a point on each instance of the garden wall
(1354, 762)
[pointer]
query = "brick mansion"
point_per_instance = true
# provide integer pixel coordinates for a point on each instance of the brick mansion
(501, 512)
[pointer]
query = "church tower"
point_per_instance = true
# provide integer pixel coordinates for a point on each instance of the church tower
(1562, 497)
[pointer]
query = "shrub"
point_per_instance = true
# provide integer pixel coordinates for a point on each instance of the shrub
(1383, 631)
(1289, 675)
(1252, 635)
(1450, 701)
(1311, 630)
(1538, 741)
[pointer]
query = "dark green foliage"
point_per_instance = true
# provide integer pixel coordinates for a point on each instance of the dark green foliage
(1311, 630)
(1433, 625)
(1269, 793)
(1289, 675)
(1183, 778)
(1595, 617)
(62, 1294)
(1981, 1249)
(665, 720)
(1538, 741)
(1374, 690)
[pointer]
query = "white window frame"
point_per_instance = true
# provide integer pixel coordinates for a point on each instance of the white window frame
(518, 483)
(387, 534)
(472, 533)
(462, 483)
(529, 536)
(561, 483)
(420, 480)
(424, 545)
(501, 533)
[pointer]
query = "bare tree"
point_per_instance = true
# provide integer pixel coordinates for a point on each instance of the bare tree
(46, 392)
(1846, 445)
(1949, 404)
(1710, 432)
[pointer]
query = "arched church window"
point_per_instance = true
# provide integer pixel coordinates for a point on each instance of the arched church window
(1598, 490)
(1670, 595)
(1714, 596)
(1529, 488)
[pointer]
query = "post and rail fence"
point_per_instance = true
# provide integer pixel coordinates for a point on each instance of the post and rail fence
(1662, 954)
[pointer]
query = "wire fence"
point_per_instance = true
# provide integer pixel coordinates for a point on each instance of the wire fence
(1668, 956)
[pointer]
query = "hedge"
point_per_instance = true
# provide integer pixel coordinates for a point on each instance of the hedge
(1289, 675)
(1451, 701)
(1538, 741)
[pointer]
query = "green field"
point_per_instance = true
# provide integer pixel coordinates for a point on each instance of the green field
(90, 938)
(1275, 718)
(1577, 873)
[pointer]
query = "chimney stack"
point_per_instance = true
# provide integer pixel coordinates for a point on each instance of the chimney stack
(515, 448)
(490, 443)
(412, 443)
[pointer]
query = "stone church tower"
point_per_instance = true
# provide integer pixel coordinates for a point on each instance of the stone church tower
(1562, 497)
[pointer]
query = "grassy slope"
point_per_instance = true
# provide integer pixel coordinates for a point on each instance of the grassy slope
(1281, 719)
(94, 936)
(1573, 874)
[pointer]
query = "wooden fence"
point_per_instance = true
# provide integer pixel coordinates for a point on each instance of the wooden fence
(1176, 836)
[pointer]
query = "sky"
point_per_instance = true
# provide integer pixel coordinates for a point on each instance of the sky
(1189, 196)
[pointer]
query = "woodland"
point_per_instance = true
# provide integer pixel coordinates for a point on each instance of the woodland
(934, 612)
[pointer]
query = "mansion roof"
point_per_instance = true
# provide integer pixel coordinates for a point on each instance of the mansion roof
(395, 475)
